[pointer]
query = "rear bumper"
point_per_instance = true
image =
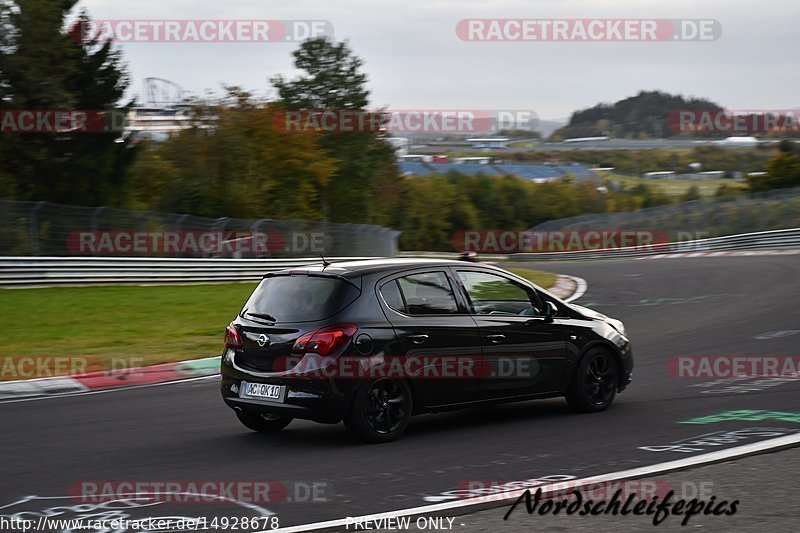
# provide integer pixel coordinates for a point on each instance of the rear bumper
(320, 400)
(283, 409)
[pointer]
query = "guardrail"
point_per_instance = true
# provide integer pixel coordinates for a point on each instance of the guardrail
(46, 271)
(787, 238)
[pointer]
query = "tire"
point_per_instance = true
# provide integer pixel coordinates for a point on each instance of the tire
(263, 422)
(380, 411)
(595, 382)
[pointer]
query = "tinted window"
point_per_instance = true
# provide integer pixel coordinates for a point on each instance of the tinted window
(428, 294)
(299, 298)
(391, 294)
(490, 294)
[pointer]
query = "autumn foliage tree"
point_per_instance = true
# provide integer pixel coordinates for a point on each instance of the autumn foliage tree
(234, 161)
(365, 180)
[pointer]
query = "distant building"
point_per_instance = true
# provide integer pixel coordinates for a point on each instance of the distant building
(477, 160)
(489, 143)
(415, 158)
(156, 124)
(739, 141)
(707, 175)
(667, 174)
(401, 145)
(585, 139)
(163, 110)
(712, 174)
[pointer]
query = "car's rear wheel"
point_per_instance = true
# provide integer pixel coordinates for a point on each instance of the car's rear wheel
(595, 382)
(263, 422)
(381, 410)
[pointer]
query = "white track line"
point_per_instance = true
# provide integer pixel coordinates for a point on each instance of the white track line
(660, 468)
(580, 289)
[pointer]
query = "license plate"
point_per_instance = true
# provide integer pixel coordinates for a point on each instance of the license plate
(262, 390)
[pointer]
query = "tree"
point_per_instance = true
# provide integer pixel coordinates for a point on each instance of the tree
(246, 167)
(783, 171)
(425, 219)
(693, 193)
(643, 116)
(333, 79)
(365, 185)
(45, 67)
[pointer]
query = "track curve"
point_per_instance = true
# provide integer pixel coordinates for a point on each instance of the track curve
(671, 307)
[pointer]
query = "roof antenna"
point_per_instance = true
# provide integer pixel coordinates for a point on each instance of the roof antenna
(325, 262)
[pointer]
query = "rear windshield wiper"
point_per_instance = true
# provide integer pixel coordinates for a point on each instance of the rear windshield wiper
(262, 315)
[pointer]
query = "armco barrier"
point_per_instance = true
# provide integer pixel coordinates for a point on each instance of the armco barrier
(44, 271)
(786, 238)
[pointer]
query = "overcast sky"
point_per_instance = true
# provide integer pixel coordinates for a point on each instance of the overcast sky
(415, 60)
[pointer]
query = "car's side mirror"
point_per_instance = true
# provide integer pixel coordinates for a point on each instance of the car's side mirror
(550, 310)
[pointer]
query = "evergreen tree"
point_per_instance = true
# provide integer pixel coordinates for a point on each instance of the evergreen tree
(45, 65)
(366, 180)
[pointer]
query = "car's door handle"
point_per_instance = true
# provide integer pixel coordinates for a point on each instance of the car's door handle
(496, 339)
(418, 339)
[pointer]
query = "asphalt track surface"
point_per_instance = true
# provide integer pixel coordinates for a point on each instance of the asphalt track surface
(671, 307)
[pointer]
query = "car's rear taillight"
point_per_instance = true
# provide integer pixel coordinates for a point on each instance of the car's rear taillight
(232, 338)
(325, 341)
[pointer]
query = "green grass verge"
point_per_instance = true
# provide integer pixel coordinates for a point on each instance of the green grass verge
(156, 324)
(677, 187)
(542, 279)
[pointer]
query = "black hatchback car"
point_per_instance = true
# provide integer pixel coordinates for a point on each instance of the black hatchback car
(373, 342)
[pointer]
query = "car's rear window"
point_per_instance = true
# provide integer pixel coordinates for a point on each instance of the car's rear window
(299, 298)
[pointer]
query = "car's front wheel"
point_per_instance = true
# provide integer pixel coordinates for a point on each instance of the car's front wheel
(595, 382)
(263, 422)
(381, 410)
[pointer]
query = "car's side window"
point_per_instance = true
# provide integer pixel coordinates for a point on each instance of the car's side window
(490, 294)
(427, 293)
(391, 295)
